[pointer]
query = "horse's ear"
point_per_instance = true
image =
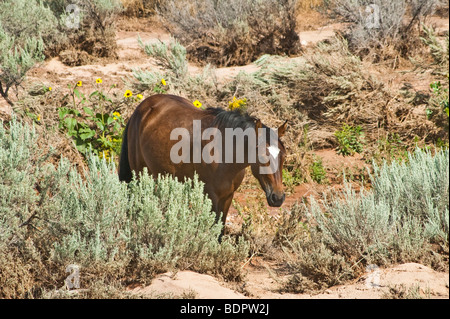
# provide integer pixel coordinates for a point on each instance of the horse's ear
(282, 129)
(258, 125)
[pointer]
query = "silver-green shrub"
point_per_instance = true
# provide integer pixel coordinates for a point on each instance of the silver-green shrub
(17, 57)
(406, 210)
(401, 219)
(54, 216)
(25, 19)
(172, 59)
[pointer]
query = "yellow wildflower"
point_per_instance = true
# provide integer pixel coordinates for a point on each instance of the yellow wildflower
(38, 118)
(163, 82)
(128, 93)
(49, 88)
(237, 104)
(79, 83)
(98, 81)
(197, 104)
(139, 96)
(116, 115)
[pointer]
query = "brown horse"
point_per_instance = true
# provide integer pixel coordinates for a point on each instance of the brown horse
(149, 141)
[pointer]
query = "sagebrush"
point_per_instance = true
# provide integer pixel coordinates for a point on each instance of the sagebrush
(53, 216)
(403, 218)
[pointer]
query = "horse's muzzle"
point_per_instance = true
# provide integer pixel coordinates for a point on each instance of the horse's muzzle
(276, 200)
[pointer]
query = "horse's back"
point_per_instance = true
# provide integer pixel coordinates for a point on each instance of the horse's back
(150, 127)
(161, 102)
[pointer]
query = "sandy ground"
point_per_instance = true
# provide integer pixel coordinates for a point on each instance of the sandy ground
(260, 282)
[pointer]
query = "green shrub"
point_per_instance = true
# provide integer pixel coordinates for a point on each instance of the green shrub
(350, 140)
(291, 179)
(318, 172)
(174, 76)
(24, 20)
(16, 59)
(402, 219)
(170, 57)
(52, 217)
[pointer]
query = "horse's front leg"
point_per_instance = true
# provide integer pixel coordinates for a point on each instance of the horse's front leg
(224, 206)
(220, 206)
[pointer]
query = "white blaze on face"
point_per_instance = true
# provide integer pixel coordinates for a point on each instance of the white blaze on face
(274, 151)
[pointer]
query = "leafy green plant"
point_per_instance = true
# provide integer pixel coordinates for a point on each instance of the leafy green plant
(92, 127)
(350, 140)
(291, 178)
(318, 172)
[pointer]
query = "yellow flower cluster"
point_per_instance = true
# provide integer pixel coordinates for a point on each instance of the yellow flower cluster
(116, 115)
(237, 103)
(128, 93)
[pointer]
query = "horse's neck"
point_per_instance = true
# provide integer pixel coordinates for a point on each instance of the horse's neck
(234, 167)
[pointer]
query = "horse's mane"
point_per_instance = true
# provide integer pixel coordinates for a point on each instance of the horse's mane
(234, 119)
(230, 119)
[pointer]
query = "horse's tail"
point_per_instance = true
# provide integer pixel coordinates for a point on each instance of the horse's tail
(124, 164)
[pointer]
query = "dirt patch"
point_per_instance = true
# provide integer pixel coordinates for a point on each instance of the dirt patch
(264, 282)
(187, 283)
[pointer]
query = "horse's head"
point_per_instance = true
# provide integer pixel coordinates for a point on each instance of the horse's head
(269, 162)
